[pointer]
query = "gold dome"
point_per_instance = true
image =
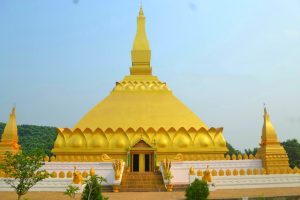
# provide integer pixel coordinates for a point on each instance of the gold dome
(131, 106)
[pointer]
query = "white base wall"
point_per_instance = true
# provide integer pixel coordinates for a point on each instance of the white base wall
(50, 184)
(257, 181)
(180, 169)
(254, 181)
(220, 182)
(104, 169)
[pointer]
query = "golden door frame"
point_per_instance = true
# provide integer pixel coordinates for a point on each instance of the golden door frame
(142, 157)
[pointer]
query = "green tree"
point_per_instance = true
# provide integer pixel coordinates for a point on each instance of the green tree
(251, 151)
(23, 170)
(292, 147)
(93, 188)
(232, 150)
(198, 190)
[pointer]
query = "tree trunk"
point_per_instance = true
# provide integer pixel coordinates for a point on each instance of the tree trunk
(19, 197)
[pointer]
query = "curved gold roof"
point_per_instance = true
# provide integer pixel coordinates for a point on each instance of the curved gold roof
(140, 100)
(133, 104)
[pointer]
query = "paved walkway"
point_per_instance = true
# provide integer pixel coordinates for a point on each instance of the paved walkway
(219, 194)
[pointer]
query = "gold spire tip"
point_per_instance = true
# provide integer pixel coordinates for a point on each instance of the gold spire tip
(13, 111)
(141, 10)
(265, 109)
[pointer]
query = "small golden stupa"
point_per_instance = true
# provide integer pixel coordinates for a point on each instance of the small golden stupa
(9, 139)
(272, 153)
(140, 121)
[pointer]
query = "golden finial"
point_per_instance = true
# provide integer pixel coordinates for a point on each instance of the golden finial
(13, 111)
(265, 109)
(141, 10)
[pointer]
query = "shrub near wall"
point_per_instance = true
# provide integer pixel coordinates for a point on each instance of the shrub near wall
(198, 190)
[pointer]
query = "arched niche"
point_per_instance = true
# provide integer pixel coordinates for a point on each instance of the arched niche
(219, 140)
(212, 132)
(192, 132)
(109, 133)
(67, 133)
(98, 139)
(77, 139)
(182, 139)
(88, 135)
(162, 138)
(60, 141)
(151, 133)
(119, 140)
(140, 133)
(202, 138)
(172, 132)
(130, 133)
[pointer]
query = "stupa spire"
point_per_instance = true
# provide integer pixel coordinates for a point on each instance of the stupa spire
(9, 140)
(141, 53)
(11, 131)
(268, 132)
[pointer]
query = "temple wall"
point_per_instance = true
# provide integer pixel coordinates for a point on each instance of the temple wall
(180, 169)
(232, 182)
(257, 181)
(104, 169)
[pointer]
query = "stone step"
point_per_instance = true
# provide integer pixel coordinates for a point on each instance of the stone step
(141, 185)
(145, 178)
(142, 182)
(142, 190)
(181, 187)
(150, 184)
(142, 177)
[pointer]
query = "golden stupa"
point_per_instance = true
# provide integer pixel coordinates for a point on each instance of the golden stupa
(9, 138)
(272, 153)
(140, 122)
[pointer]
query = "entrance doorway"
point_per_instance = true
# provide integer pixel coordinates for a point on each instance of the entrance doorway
(136, 163)
(142, 157)
(142, 161)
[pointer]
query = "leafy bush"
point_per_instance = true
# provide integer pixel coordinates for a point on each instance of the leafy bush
(198, 190)
(71, 191)
(92, 190)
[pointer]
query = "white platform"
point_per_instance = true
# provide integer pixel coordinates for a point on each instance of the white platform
(257, 181)
(180, 169)
(104, 169)
(254, 181)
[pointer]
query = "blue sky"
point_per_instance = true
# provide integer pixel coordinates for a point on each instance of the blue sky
(223, 59)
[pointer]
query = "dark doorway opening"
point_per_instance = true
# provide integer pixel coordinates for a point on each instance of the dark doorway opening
(136, 162)
(147, 162)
